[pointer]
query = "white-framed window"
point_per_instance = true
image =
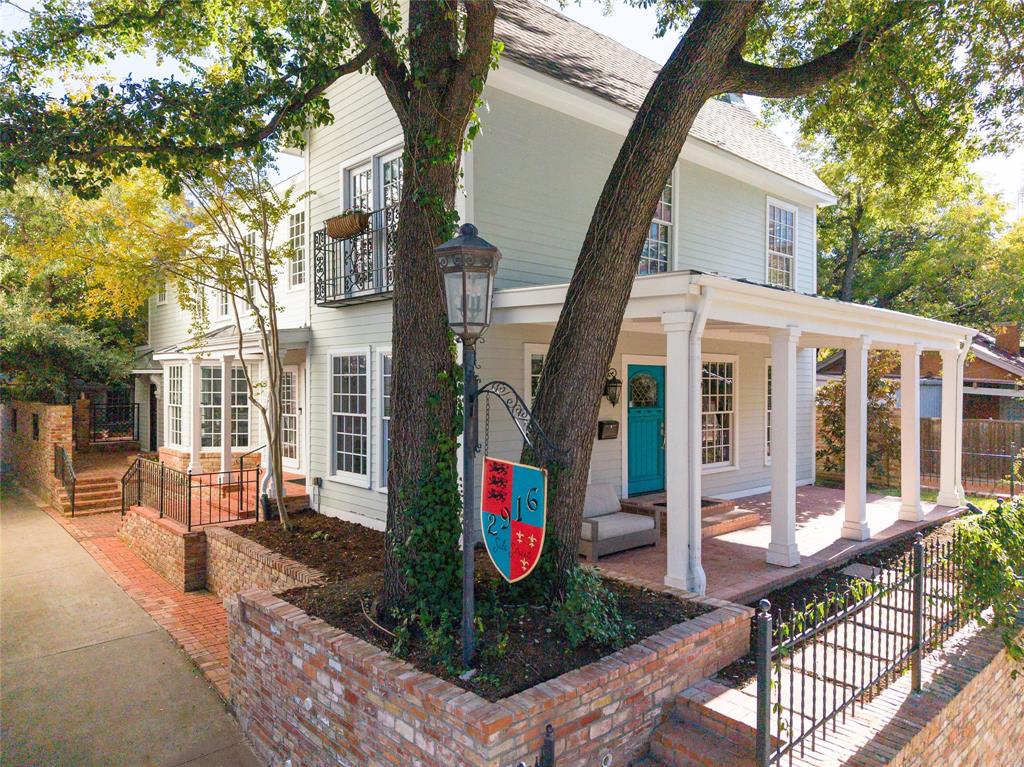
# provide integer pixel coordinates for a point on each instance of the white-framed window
(391, 179)
(657, 253)
(533, 364)
(781, 245)
(174, 404)
(384, 416)
(718, 411)
(350, 416)
(360, 188)
(297, 241)
(239, 408)
(161, 293)
(222, 302)
(767, 412)
(210, 396)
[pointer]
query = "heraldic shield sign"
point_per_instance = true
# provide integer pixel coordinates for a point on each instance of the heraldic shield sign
(513, 511)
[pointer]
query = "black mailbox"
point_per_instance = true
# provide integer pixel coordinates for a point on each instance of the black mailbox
(607, 429)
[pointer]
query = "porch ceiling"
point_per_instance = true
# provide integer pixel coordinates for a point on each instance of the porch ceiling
(743, 311)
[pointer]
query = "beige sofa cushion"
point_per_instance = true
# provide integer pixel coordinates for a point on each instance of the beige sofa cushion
(619, 523)
(600, 500)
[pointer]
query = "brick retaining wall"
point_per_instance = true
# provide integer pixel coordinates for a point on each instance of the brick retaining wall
(29, 455)
(982, 725)
(307, 692)
(166, 546)
(234, 564)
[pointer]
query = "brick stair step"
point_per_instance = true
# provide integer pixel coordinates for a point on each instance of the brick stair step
(730, 713)
(90, 493)
(683, 744)
(93, 503)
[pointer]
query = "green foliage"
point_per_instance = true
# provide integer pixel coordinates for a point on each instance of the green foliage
(590, 612)
(990, 555)
(883, 431)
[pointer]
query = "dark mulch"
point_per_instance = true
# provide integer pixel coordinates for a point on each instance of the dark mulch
(529, 649)
(798, 595)
(338, 549)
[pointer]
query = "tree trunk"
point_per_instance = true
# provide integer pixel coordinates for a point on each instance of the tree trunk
(853, 249)
(588, 328)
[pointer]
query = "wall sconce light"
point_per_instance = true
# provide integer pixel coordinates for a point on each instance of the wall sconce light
(612, 386)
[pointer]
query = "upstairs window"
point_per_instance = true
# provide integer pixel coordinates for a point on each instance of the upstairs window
(361, 188)
(781, 245)
(297, 241)
(222, 302)
(161, 293)
(657, 253)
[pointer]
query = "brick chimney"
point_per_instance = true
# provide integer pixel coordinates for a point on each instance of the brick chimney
(1008, 337)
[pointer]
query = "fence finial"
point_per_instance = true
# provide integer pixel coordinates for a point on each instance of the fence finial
(764, 606)
(919, 537)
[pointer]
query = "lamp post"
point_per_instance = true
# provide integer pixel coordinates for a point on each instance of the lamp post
(468, 263)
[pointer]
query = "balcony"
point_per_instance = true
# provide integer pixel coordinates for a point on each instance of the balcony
(358, 268)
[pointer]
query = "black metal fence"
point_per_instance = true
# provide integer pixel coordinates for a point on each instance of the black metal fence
(359, 266)
(191, 499)
(816, 665)
(64, 470)
(114, 422)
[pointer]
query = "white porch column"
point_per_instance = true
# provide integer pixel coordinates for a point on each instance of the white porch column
(783, 550)
(910, 433)
(195, 465)
(226, 365)
(950, 487)
(679, 454)
(855, 526)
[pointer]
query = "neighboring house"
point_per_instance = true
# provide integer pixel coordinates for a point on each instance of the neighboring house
(718, 346)
(993, 377)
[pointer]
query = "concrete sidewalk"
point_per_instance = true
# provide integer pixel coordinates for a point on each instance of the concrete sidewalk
(86, 676)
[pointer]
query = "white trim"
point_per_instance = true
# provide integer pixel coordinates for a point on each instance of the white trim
(529, 349)
(792, 208)
(355, 517)
(373, 158)
(734, 463)
(344, 477)
(295, 463)
(767, 391)
(377, 406)
(626, 360)
(293, 287)
(759, 490)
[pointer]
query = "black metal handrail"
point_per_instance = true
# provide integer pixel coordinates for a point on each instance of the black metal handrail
(192, 500)
(243, 456)
(817, 665)
(114, 422)
(64, 470)
(357, 267)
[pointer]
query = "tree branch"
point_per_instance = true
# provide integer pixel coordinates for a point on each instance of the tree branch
(472, 68)
(390, 69)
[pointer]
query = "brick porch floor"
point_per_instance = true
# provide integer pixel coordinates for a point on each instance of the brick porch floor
(735, 562)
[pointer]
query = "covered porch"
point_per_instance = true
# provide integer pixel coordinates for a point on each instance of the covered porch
(706, 336)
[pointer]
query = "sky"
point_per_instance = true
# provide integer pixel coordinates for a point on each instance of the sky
(1002, 175)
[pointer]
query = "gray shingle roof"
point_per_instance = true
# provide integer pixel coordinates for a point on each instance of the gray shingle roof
(544, 40)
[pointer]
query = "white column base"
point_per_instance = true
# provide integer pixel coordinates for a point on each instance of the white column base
(694, 582)
(856, 531)
(783, 554)
(676, 583)
(947, 498)
(911, 512)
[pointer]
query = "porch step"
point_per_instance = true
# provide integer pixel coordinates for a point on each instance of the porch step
(729, 713)
(683, 744)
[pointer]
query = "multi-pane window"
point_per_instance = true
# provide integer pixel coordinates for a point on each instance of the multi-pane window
(161, 292)
(781, 245)
(222, 302)
(297, 241)
(289, 415)
(536, 362)
(718, 411)
(210, 396)
(768, 414)
(239, 408)
(361, 189)
(391, 181)
(349, 414)
(657, 252)
(174, 404)
(385, 415)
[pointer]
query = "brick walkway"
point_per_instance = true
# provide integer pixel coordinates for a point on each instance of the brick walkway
(196, 620)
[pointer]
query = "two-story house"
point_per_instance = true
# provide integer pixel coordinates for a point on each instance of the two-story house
(717, 349)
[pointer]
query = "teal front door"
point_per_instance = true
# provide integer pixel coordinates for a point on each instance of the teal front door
(646, 425)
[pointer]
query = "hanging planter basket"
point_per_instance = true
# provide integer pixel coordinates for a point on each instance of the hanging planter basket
(348, 224)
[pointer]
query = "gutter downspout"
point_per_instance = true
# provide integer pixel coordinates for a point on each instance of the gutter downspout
(699, 579)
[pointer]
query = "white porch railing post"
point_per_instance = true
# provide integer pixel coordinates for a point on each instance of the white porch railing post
(950, 488)
(855, 525)
(782, 550)
(910, 434)
(226, 366)
(196, 421)
(678, 451)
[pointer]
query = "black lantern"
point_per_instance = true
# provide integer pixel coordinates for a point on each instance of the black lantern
(468, 264)
(612, 387)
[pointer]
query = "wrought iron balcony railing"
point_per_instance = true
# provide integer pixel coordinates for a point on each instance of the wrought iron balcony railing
(358, 268)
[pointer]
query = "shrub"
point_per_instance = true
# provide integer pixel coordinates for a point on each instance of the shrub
(590, 611)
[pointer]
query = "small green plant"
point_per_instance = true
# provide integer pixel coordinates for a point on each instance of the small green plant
(320, 535)
(590, 612)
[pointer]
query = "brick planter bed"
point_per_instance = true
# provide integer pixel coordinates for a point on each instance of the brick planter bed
(313, 694)
(235, 563)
